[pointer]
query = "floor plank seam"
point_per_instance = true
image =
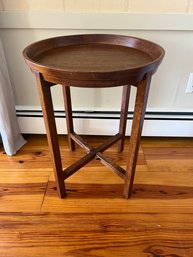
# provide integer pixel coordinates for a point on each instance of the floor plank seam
(45, 192)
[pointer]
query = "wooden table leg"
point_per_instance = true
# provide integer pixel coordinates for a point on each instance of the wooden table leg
(123, 117)
(138, 118)
(68, 112)
(49, 119)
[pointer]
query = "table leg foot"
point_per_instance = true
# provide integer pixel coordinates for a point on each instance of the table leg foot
(61, 189)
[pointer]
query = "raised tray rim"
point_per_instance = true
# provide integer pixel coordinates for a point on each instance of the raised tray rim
(112, 78)
(38, 64)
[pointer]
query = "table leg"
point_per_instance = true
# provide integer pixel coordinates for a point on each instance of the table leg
(68, 112)
(138, 118)
(49, 119)
(123, 117)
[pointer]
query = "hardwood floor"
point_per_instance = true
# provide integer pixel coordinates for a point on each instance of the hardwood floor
(94, 220)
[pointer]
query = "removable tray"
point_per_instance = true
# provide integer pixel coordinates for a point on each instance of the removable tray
(94, 59)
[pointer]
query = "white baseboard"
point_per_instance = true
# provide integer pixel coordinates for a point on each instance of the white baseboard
(107, 123)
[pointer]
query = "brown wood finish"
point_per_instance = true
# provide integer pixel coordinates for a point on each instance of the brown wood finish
(137, 125)
(81, 142)
(123, 117)
(94, 61)
(49, 119)
(68, 112)
(90, 156)
(94, 220)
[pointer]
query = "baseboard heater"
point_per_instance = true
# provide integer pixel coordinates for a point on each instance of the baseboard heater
(157, 123)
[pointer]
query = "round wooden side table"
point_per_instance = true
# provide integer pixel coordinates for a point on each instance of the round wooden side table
(94, 61)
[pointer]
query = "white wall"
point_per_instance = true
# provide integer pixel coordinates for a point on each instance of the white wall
(167, 94)
(148, 6)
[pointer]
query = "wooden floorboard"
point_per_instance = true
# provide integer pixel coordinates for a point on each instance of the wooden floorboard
(94, 220)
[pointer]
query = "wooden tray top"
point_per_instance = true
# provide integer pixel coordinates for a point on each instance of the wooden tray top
(94, 60)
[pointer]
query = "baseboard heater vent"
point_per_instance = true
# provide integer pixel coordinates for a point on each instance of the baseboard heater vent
(178, 124)
(149, 115)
